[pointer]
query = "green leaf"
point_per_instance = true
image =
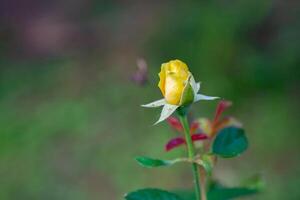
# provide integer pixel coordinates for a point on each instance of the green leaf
(150, 162)
(151, 194)
(186, 194)
(220, 193)
(230, 142)
(230, 193)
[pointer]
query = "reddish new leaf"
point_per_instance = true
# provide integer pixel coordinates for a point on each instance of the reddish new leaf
(175, 123)
(175, 142)
(199, 136)
(222, 106)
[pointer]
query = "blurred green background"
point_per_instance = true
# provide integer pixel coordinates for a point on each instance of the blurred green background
(70, 90)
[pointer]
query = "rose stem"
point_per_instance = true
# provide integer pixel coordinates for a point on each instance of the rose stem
(191, 155)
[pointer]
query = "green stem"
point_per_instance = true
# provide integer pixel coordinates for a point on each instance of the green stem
(191, 153)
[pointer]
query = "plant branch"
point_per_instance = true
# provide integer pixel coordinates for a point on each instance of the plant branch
(191, 155)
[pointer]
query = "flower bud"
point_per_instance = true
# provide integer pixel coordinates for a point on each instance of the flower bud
(174, 83)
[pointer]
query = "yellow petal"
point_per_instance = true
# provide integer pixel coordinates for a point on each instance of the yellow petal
(173, 89)
(173, 77)
(162, 78)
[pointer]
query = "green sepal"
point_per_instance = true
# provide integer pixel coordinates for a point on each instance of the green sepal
(230, 142)
(166, 112)
(151, 194)
(182, 110)
(188, 95)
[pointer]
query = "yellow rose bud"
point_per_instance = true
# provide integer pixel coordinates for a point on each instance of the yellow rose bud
(173, 78)
(179, 89)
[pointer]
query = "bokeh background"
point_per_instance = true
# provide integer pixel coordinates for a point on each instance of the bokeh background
(70, 90)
